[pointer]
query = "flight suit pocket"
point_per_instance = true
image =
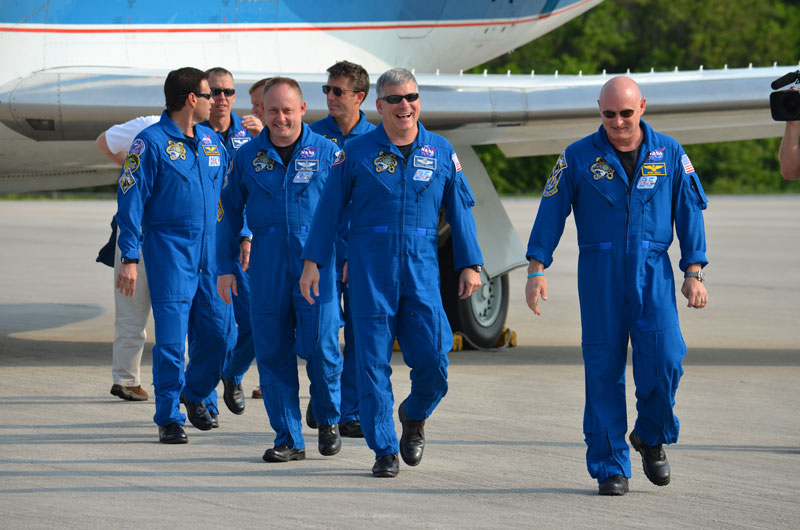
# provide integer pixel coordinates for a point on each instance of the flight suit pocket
(645, 370)
(597, 291)
(307, 331)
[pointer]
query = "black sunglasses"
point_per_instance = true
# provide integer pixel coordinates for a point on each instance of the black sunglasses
(198, 94)
(394, 99)
(336, 90)
(227, 91)
(627, 113)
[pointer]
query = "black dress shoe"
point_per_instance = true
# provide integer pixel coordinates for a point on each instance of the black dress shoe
(614, 485)
(283, 453)
(214, 420)
(233, 396)
(351, 429)
(198, 414)
(386, 466)
(412, 443)
(172, 434)
(654, 460)
(329, 440)
(310, 420)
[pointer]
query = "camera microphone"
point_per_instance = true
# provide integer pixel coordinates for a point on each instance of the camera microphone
(791, 77)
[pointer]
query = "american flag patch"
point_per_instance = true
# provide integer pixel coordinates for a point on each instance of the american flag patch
(456, 162)
(687, 164)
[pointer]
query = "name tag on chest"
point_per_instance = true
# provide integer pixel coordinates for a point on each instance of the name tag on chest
(424, 162)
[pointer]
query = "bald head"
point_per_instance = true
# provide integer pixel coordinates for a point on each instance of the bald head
(621, 108)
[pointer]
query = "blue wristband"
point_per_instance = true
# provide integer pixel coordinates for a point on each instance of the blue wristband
(531, 275)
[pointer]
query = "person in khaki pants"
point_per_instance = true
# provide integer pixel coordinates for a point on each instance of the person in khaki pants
(130, 312)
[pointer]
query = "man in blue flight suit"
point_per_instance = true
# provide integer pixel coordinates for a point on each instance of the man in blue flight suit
(278, 177)
(398, 177)
(627, 186)
(170, 187)
(347, 87)
(233, 134)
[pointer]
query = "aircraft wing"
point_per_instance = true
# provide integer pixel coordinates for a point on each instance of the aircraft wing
(524, 114)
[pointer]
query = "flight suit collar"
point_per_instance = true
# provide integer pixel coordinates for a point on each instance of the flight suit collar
(383, 140)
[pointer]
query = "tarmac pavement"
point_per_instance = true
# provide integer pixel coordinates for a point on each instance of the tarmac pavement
(504, 448)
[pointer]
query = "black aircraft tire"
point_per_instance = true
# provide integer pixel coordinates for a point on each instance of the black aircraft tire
(482, 317)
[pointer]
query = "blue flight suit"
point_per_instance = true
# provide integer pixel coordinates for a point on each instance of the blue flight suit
(241, 350)
(328, 128)
(280, 202)
(625, 281)
(170, 187)
(393, 270)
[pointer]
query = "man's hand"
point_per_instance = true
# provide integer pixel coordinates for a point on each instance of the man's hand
(468, 283)
(225, 284)
(695, 292)
(244, 254)
(344, 273)
(252, 124)
(309, 281)
(126, 278)
(536, 286)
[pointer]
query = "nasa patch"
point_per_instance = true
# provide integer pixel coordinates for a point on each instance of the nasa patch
(302, 177)
(551, 188)
(423, 175)
(126, 181)
(646, 183)
(656, 155)
(427, 150)
(206, 140)
(307, 153)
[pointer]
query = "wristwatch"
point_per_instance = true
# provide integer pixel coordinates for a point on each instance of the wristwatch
(127, 261)
(476, 268)
(700, 275)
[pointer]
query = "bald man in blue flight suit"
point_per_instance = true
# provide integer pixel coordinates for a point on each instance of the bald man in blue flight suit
(170, 187)
(398, 177)
(279, 177)
(347, 87)
(628, 186)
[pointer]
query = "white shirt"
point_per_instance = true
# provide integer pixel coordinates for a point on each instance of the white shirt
(120, 136)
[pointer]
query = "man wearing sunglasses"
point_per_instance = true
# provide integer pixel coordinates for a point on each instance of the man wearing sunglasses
(628, 187)
(346, 90)
(279, 177)
(398, 177)
(233, 133)
(167, 205)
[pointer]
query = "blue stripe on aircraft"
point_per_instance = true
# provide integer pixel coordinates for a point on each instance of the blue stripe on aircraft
(83, 12)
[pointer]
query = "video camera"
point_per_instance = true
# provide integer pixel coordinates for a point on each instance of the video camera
(785, 104)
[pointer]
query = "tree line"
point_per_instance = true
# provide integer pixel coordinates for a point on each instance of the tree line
(663, 34)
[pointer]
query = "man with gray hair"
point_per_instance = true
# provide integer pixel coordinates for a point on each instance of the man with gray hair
(398, 177)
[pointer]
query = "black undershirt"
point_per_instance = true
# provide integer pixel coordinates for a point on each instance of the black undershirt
(628, 160)
(286, 152)
(405, 149)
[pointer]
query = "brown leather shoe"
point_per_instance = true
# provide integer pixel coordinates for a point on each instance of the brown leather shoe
(129, 393)
(257, 393)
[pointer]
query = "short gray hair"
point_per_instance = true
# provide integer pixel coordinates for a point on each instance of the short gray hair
(395, 76)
